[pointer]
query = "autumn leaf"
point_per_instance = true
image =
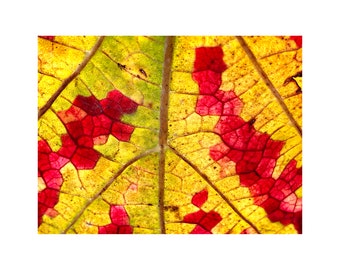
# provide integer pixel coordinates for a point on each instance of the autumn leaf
(173, 135)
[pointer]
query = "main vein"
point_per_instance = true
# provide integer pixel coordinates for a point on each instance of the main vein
(268, 82)
(163, 132)
(69, 79)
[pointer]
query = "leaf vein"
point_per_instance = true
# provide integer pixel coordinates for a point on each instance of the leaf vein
(269, 84)
(69, 79)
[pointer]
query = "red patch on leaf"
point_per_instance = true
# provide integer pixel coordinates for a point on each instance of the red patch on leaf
(68, 146)
(56, 161)
(88, 122)
(298, 40)
(47, 199)
(208, 105)
(116, 104)
(194, 217)
(102, 125)
(75, 129)
(118, 215)
(86, 141)
(52, 179)
(119, 222)
(209, 58)
(50, 38)
(200, 198)
(217, 151)
(122, 131)
(254, 153)
(72, 114)
(199, 230)
(210, 220)
(90, 105)
(108, 229)
(209, 81)
(205, 221)
(43, 147)
(85, 158)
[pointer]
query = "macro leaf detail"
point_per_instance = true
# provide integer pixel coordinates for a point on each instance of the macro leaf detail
(175, 135)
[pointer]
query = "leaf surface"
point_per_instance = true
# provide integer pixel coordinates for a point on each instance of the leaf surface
(178, 135)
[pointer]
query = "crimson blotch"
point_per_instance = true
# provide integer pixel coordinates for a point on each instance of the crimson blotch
(254, 153)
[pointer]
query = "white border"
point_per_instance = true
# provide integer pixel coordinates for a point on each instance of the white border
(22, 21)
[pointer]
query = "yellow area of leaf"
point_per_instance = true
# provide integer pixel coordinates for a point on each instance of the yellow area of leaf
(298, 81)
(298, 192)
(81, 43)
(147, 117)
(196, 148)
(109, 149)
(179, 228)
(50, 129)
(144, 219)
(144, 137)
(182, 83)
(46, 82)
(94, 180)
(57, 60)
(97, 214)
(72, 182)
(41, 184)
(143, 178)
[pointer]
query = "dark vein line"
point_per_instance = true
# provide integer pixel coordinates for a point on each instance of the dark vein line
(281, 52)
(108, 184)
(104, 75)
(206, 178)
(69, 79)
(129, 72)
(268, 82)
(163, 119)
(49, 75)
(55, 42)
(154, 40)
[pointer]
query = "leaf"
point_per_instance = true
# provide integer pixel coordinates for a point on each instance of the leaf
(169, 135)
